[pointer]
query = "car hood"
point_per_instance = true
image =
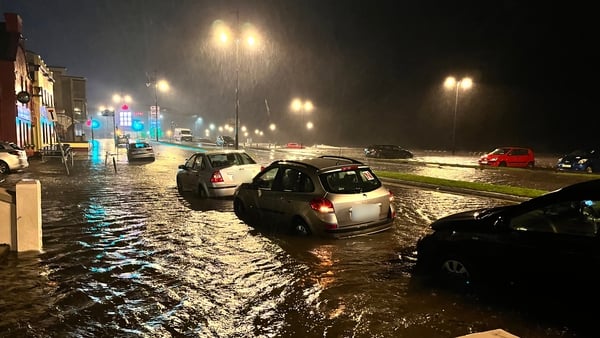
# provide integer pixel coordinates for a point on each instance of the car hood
(468, 219)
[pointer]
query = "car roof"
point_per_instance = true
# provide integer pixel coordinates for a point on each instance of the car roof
(222, 151)
(323, 163)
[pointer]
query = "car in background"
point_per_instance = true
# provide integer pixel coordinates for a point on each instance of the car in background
(140, 151)
(331, 196)
(206, 142)
(12, 158)
(387, 151)
(225, 141)
(509, 157)
(587, 160)
(293, 145)
(216, 173)
(549, 241)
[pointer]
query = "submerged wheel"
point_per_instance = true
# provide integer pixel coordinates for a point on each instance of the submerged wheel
(455, 272)
(239, 209)
(179, 186)
(502, 164)
(201, 192)
(300, 228)
(589, 169)
(4, 169)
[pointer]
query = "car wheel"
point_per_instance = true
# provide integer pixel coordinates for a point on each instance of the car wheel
(300, 228)
(530, 165)
(502, 164)
(239, 209)
(4, 169)
(589, 169)
(202, 192)
(179, 186)
(455, 272)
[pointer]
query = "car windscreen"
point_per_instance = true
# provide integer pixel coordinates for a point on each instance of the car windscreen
(350, 181)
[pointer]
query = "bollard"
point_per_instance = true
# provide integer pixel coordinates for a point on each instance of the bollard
(115, 164)
(29, 215)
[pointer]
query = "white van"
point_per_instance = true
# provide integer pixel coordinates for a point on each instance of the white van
(182, 134)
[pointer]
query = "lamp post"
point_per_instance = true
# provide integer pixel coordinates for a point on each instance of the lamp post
(452, 83)
(159, 85)
(303, 108)
(223, 33)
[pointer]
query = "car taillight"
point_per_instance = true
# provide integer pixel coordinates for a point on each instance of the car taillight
(391, 197)
(216, 177)
(322, 205)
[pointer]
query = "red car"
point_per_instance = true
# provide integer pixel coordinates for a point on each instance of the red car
(293, 145)
(509, 157)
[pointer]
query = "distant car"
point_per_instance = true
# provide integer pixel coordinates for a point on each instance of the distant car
(387, 151)
(328, 195)
(205, 142)
(509, 157)
(552, 240)
(587, 160)
(12, 158)
(216, 173)
(140, 151)
(225, 141)
(293, 145)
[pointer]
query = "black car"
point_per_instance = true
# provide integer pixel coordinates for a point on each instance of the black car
(387, 151)
(225, 141)
(548, 241)
(587, 160)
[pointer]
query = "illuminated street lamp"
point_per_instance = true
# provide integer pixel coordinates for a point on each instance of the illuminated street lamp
(247, 34)
(159, 85)
(451, 83)
(303, 108)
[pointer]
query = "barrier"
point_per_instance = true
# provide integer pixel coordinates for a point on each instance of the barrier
(21, 216)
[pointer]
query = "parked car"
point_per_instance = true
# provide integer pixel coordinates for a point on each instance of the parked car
(216, 173)
(552, 240)
(587, 160)
(225, 141)
(509, 157)
(12, 158)
(327, 195)
(205, 142)
(140, 151)
(387, 151)
(294, 145)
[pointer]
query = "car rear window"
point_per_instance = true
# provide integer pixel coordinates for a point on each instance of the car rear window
(223, 160)
(350, 182)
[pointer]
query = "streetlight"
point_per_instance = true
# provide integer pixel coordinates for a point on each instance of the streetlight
(223, 34)
(303, 108)
(451, 83)
(159, 85)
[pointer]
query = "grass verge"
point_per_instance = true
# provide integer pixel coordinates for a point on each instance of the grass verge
(495, 188)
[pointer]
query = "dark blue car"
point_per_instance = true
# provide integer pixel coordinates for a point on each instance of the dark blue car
(586, 160)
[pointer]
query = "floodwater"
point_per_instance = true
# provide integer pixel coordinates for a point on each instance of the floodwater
(126, 256)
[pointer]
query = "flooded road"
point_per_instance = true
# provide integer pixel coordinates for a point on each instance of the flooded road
(126, 256)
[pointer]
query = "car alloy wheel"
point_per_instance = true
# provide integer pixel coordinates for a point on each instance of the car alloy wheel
(4, 169)
(299, 228)
(455, 272)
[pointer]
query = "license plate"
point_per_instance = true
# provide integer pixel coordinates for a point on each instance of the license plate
(364, 212)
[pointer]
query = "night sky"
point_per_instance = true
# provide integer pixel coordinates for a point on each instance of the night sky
(373, 69)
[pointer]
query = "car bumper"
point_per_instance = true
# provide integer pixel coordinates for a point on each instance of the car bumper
(571, 167)
(360, 229)
(225, 191)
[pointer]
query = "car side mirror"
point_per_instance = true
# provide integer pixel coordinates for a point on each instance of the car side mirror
(182, 166)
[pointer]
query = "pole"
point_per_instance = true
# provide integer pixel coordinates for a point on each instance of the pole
(156, 107)
(114, 130)
(237, 81)
(454, 124)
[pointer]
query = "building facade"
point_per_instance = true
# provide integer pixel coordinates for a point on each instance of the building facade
(42, 102)
(70, 104)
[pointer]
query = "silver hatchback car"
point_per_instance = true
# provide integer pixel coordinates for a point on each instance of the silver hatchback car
(216, 173)
(327, 195)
